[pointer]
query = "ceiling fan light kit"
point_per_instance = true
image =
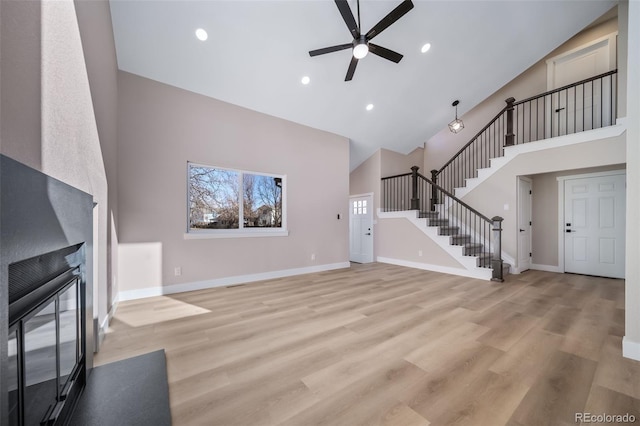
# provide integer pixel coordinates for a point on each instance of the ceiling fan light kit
(360, 49)
(361, 43)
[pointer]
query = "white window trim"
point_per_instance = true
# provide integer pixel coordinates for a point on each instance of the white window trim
(202, 234)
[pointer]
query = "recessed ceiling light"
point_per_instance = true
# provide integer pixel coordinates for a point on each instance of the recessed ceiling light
(201, 34)
(426, 48)
(369, 107)
(305, 80)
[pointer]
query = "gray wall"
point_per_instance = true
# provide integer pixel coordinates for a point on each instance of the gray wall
(46, 112)
(161, 128)
(96, 31)
(631, 345)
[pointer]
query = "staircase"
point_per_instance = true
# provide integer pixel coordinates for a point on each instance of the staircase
(471, 238)
(458, 239)
(468, 236)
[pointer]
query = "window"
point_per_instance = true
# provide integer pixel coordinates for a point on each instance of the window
(359, 207)
(232, 202)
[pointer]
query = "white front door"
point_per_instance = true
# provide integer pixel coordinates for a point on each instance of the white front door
(361, 229)
(594, 225)
(524, 223)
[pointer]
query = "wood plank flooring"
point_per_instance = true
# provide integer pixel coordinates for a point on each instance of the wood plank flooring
(380, 344)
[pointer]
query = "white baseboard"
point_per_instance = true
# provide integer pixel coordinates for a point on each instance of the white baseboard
(482, 274)
(630, 349)
(226, 281)
(102, 330)
(546, 268)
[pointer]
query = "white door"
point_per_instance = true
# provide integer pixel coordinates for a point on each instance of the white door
(580, 108)
(594, 227)
(361, 229)
(524, 223)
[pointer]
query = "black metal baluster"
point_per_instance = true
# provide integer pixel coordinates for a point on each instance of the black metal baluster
(566, 112)
(601, 105)
(593, 118)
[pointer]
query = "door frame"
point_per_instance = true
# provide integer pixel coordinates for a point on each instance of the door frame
(561, 181)
(373, 222)
(530, 181)
(608, 42)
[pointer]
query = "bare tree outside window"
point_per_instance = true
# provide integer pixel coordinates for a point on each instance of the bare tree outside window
(263, 201)
(213, 198)
(216, 195)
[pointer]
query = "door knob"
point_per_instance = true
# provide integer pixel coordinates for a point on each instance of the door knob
(522, 230)
(368, 233)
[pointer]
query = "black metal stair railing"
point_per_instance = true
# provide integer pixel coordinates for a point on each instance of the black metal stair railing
(478, 235)
(396, 192)
(488, 143)
(584, 105)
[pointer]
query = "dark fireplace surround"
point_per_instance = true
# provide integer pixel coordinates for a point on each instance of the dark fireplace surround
(46, 312)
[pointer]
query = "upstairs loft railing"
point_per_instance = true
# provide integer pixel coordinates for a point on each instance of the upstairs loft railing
(584, 105)
(476, 233)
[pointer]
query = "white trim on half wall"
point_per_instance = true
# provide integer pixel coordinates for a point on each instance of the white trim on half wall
(481, 274)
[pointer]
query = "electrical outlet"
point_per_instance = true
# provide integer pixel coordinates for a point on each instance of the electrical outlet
(420, 253)
(313, 256)
(177, 271)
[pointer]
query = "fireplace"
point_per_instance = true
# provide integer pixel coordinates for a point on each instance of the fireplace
(46, 343)
(46, 295)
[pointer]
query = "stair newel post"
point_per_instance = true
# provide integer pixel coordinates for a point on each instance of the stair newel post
(415, 201)
(496, 258)
(509, 137)
(434, 191)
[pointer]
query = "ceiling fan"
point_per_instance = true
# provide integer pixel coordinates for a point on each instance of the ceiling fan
(361, 44)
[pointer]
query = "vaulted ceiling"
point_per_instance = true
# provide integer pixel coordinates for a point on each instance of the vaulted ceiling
(257, 53)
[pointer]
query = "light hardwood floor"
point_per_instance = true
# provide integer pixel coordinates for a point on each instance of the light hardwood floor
(385, 345)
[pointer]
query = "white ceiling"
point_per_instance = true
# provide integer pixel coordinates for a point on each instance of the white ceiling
(257, 53)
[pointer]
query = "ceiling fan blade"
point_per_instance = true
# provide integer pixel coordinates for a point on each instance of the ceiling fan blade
(330, 49)
(385, 53)
(347, 15)
(392, 17)
(352, 68)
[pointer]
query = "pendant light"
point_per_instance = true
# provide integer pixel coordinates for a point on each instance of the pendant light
(456, 125)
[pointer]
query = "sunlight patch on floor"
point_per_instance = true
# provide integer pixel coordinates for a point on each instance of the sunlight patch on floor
(161, 310)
